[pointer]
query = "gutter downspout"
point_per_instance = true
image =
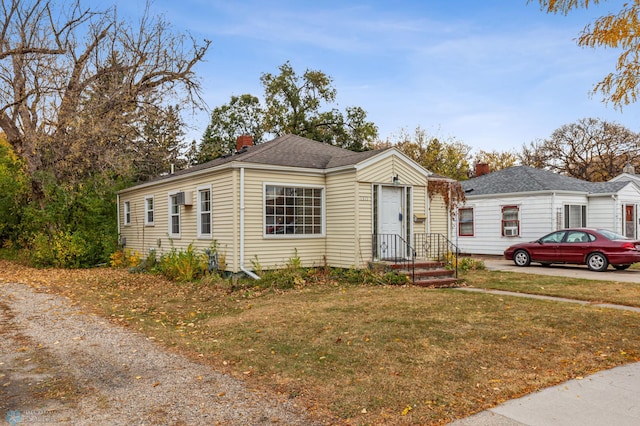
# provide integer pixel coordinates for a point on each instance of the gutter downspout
(242, 268)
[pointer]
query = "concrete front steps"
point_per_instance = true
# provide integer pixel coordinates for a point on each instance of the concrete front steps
(428, 273)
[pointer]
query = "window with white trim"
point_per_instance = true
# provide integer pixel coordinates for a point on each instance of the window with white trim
(127, 213)
(575, 216)
(174, 216)
(204, 212)
(148, 211)
(510, 221)
(465, 222)
(293, 210)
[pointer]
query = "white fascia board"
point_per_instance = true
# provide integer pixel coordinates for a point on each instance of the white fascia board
(175, 178)
(627, 176)
(276, 168)
(231, 165)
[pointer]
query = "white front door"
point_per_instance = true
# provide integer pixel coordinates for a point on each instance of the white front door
(391, 245)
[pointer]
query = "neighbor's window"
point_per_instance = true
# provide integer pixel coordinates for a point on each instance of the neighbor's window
(575, 216)
(465, 222)
(204, 212)
(148, 211)
(174, 216)
(510, 221)
(127, 213)
(293, 210)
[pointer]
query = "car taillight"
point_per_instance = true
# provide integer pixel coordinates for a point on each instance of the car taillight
(629, 246)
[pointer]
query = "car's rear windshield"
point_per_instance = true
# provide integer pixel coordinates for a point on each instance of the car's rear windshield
(612, 235)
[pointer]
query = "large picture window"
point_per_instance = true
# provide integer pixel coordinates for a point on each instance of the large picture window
(293, 210)
(575, 216)
(174, 216)
(204, 212)
(510, 221)
(465, 222)
(148, 211)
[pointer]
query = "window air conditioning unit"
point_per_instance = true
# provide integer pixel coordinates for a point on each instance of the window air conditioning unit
(510, 232)
(184, 198)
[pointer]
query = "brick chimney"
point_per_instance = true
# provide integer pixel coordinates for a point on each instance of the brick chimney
(242, 141)
(482, 169)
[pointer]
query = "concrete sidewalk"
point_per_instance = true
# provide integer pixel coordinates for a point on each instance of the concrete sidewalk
(610, 397)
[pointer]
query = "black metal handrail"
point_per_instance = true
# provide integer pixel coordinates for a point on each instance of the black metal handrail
(394, 248)
(436, 247)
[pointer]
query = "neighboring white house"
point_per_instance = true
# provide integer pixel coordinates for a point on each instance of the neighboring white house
(523, 203)
(290, 197)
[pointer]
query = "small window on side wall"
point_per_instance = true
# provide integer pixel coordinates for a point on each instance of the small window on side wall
(174, 216)
(465, 222)
(127, 213)
(575, 216)
(148, 211)
(204, 212)
(510, 221)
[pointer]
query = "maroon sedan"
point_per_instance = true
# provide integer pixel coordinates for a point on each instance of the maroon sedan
(597, 248)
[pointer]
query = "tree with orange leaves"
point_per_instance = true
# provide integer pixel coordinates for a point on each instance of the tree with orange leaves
(619, 30)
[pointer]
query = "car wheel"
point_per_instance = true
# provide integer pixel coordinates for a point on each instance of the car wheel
(597, 262)
(521, 258)
(621, 267)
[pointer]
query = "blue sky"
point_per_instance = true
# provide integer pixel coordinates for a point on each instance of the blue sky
(494, 74)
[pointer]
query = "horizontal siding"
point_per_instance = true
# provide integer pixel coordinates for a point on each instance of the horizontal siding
(343, 225)
(383, 171)
(438, 216)
(420, 207)
(602, 212)
(365, 223)
(536, 219)
(142, 238)
(275, 252)
(224, 209)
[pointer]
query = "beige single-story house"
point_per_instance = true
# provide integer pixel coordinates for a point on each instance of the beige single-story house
(289, 197)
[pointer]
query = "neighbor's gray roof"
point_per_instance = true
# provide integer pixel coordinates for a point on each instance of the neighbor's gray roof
(528, 179)
(288, 151)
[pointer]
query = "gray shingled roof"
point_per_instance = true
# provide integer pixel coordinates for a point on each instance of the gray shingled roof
(288, 151)
(528, 179)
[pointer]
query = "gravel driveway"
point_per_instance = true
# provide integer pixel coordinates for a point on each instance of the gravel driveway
(60, 365)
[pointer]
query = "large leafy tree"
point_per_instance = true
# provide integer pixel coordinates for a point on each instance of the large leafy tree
(242, 115)
(496, 160)
(589, 149)
(13, 189)
(77, 84)
(619, 31)
(293, 104)
(81, 95)
(159, 144)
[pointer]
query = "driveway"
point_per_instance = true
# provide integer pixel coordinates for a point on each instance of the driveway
(497, 263)
(60, 365)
